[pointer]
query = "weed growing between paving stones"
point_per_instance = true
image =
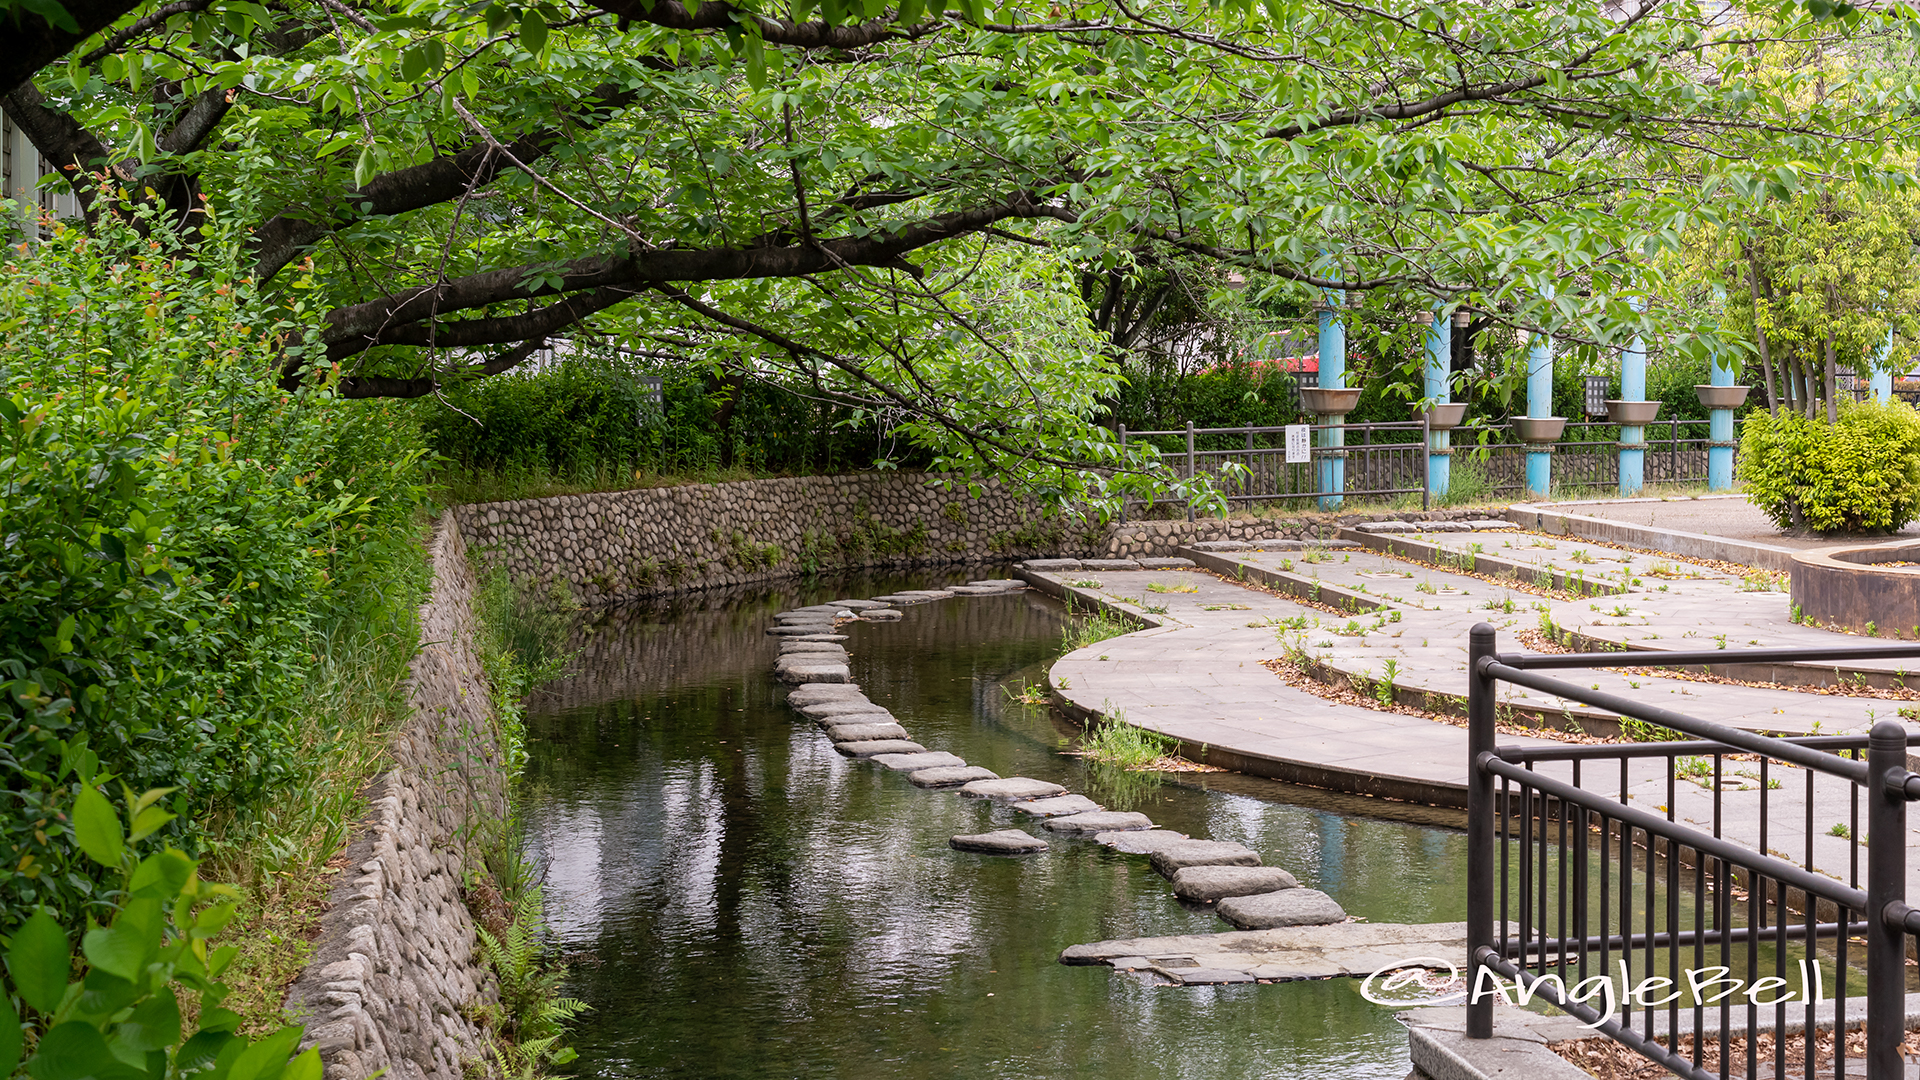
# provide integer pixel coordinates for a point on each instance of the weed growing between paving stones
(1084, 630)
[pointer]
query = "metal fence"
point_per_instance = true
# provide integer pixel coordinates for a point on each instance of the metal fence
(1384, 460)
(1565, 881)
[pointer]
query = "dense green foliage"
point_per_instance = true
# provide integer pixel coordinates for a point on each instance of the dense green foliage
(178, 533)
(123, 1018)
(1860, 474)
(591, 416)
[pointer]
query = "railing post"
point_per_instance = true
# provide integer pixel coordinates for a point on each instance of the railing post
(1426, 474)
(1191, 468)
(1480, 811)
(1123, 464)
(1886, 883)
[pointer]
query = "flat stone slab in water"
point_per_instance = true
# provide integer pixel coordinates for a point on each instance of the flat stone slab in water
(882, 614)
(1310, 952)
(819, 637)
(1012, 789)
(931, 759)
(1007, 583)
(814, 693)
(1210, 976)
(1210, 884)
(1145, 842)
(1099, 821)
(1174, 857)
(946, 776)
(1058, 806)
(857, 605)
(845, 706)
(797, 629)
(876, 747)
(813, 671)
(978, 590)
(835, 724)
(866, 732)
(1109, 564)
(789, 646)
(1004, 842)
(1046, 566)
(1288, 907)
(1166, 564)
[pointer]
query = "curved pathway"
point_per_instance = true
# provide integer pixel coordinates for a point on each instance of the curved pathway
(1195, 672)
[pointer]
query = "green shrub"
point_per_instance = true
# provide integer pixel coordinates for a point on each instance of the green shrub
(1861, 474)
(178, 533)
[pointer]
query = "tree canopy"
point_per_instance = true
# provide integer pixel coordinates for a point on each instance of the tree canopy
(898, 206)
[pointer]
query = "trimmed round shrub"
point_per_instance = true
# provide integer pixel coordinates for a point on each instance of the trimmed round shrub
(1861, 474)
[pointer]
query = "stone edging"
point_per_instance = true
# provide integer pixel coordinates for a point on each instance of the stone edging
(395, 985)
(1546, 519)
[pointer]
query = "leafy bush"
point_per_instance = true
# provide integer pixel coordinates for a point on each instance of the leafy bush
(123, 1020)
(177, 531)
(1861, 474)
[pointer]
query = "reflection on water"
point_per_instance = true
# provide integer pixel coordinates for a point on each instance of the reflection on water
(741, 901)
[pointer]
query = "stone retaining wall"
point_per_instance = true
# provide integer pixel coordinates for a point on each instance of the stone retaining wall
(394, 984)
(625, 545)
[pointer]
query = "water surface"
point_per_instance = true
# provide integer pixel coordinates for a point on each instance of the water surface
(742, 901)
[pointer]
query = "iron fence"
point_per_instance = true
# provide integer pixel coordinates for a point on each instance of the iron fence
(1566, 880)
(1389, 459)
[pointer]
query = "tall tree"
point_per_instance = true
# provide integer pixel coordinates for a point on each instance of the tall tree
(858, 194)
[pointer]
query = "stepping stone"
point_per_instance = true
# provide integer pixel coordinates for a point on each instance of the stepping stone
(1210, 884)
(931, 759)
(791, 647)
(813, 693)
(788, 618)
(1003, 842)
(1176, 857)
(856, 605)
(842, 707)
(819, 637)
(1058, 806)
(1139, 843)
(1209, 976)
(882, 614)
(1166, 564)
(868, 733)
(977, 590)
(876, 747)
(833, 724)
(946, 776)
(813, 671)
(1130, 963)
(1221, 545)
(1288, 907)
(1050, 566)
(1109, 564)
(1008, 584)
(799, 629)
(1099, 821)
(1011, 789)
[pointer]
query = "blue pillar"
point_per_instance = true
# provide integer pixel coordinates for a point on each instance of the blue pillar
(1720, 430)
(1540, 403)
(1882, 381)
(1633, 438)
(1333, 376)
(1439, 390)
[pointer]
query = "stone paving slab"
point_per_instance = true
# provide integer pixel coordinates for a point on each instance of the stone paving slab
(1318, 952)
(1098, 821)
(1058, 806)
(853, 733)
(1284, 907)
(877, 747)
(813, 693)
(1012, 789)
(950, 776)
(1001, 842)
(932, 759)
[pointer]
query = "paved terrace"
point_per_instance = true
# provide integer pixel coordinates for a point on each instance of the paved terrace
(1195, 672)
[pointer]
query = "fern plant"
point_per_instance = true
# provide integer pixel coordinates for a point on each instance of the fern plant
(533, 1016)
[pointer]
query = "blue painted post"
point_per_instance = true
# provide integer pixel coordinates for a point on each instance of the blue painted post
(1439, 390)
(1333, 376)
(1540, 403)
(1720, 430)
(1882, 381)
(1633, 438)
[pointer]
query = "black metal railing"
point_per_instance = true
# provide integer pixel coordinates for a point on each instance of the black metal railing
(1568, 882)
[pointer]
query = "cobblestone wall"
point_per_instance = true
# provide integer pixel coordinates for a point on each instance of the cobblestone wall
(393, 984)
(625, 545)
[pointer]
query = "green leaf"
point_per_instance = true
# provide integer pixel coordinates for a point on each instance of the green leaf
(163, 875)
(11, 1038)
(154, 1025)
(533, 32)
(363, 167)
(72, 1051)
(53, 12)
(97, 828)
(307, 1066)
(266, 1059)
(39, 961)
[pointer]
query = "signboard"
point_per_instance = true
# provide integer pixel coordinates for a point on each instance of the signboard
(1299, 444)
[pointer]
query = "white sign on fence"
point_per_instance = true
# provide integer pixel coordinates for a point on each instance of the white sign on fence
(1298, 444)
